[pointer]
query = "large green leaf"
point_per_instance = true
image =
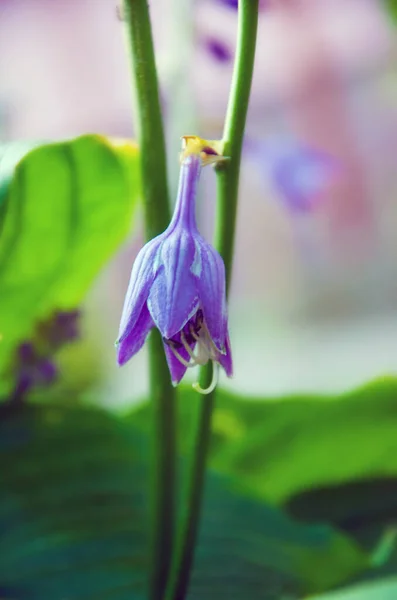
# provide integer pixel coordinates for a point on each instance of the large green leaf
(384, 590)
(64, 209)
(277, 448)
(73, 520)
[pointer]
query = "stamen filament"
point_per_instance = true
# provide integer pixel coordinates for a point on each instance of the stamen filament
(193, 333)
(182, 360)
(205, 342)
(215, 377)
(187, 347)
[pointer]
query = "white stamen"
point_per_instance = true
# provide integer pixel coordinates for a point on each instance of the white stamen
(182, 360)
(193, 333)
(206, 349)
(215, 376)
(188, 348)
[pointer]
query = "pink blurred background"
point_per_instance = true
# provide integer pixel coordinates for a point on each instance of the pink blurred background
(314, 296)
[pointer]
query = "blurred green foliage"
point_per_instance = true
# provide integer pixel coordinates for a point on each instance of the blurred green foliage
(74, 497)
(391, 6)
(64, 210)
(277, 448)
(73, 519)
(322, 459)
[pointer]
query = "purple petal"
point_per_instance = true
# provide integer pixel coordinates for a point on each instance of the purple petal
(225, 360)
(177, 369)
(133, 342)
(212, 292)
(173, 297)
(142, 276)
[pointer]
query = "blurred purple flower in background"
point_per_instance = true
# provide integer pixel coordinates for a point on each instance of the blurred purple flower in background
(231, 3)
(34, 364)
(234, 3)
(32, 370)
(218, 49)
(178, 285)
(299, 174)
(62, 328)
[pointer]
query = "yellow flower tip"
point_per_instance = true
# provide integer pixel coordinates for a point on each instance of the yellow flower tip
(210, 151)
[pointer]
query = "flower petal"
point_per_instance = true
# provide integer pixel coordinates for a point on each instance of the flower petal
(212, 292)
(173, 297)
(176, 367)
(225, 360)
(142, 276)
(131, 343)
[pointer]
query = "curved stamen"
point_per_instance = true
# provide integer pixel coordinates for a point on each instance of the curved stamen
(188, 348)
(215, 377)
(203, 354)
(182, 360)
(210, 341)
(193, 333)
(205, 343)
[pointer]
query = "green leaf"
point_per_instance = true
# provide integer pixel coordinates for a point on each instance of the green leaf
(391, 7)
(277, 448)
(73, 520)
(384, 590)
(64, 210)
(350, 506)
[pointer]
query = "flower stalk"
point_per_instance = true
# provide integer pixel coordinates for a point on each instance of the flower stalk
(227, 195)
(150, 136)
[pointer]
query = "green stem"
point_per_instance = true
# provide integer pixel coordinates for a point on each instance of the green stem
(233, 133)
(184, 552)
(148, 121)
(227, 195)
(150, 135)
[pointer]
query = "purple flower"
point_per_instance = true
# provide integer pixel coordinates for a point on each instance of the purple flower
(218, 50)
(234, 3)
(32, 370)
(61, 328)
(34, 365)
(178, 285)
(299, 174)
(231, 3)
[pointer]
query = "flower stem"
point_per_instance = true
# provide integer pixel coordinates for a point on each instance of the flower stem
(150, 135)
(233, 133)
(227, 195)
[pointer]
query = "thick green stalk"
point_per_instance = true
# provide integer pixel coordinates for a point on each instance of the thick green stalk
(148, 121)
(233, 133)
(227, 195)
(150, 135)
(184, 551)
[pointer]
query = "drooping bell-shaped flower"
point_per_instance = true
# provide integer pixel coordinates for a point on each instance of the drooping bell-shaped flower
(177, 284)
